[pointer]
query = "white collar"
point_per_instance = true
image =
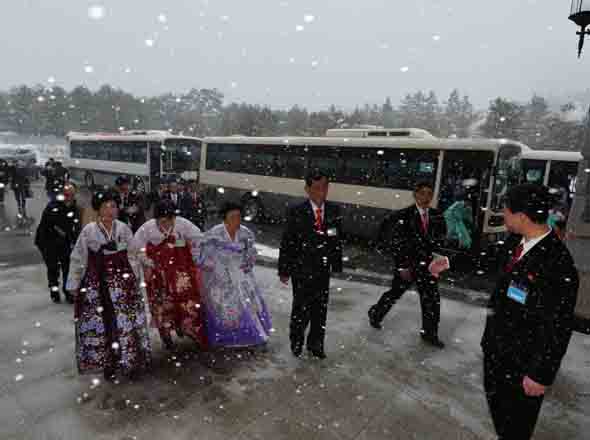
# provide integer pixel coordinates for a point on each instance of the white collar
(316, 207)
(422, 210)
(528, 245)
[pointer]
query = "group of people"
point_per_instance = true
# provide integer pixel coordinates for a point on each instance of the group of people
(17, 176)
(531, 311)
(203, 286)
(199, 285)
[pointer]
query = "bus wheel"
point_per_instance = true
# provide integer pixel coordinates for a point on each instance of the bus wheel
(253, 209)
(139, 185)
(89, 180)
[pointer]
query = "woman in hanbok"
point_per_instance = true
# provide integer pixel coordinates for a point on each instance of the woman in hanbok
(110, 318)
(168, 248)
(237, 315)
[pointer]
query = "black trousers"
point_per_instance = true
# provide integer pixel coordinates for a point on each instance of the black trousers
(513, 412)
(2, 192)
(21, 201)
(429, 299)
(56, 262)
(310, 307)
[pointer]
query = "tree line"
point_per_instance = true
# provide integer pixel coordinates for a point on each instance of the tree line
(41, 110)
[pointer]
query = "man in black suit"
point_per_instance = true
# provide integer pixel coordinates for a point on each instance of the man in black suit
(131, 204)
(311, 249)
(531, 315)
(192, 206)
(56, 236)
(173, 194)
(417, 232)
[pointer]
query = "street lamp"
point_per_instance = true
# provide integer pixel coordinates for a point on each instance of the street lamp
(580, 14)
(579, 217)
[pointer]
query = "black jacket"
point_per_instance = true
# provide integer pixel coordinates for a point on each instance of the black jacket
(193, 210)
(4, 173)
(531, 338)
(403, 237)
(132, 209)
(58, 229)
(303, 250)
(19, 178)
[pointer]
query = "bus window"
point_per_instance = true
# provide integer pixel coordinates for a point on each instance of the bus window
(533, 171)
(76, 150)
(402, 169)
(139, 152)
(326, 159)
(261, 160)
(294, 158)
(359, 167)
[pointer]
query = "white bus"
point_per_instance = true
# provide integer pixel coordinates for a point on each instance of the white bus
(412, 133)
(556, 169)
(371, 177)
(144, 156)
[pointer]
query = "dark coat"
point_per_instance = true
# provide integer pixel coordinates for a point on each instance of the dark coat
(193, 210)
(135, 201)
(532, 338)
(58, 229)
(404, 239)
(303, 250)
(4, 173)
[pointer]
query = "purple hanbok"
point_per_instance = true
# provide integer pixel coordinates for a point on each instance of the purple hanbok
(236, 314)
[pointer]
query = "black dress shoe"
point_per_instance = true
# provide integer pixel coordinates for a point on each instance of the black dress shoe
(374, 323)
(432, 340)
(318, 354)
(55, 297)
(296, 350)
(69, 297)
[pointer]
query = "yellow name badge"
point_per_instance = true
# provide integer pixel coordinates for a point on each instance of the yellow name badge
(180, 243)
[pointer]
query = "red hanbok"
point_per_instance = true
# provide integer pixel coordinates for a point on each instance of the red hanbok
(173, 289)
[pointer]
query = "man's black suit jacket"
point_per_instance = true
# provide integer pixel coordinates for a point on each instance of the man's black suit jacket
(530, 339)
(304, 251)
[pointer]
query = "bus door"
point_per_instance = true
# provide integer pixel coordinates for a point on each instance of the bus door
(463, 193)
(182, 157)
(155, 165)
(562, 181)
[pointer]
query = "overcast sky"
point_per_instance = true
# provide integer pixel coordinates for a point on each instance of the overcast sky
(343, 52)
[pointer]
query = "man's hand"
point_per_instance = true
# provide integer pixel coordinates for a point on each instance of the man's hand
(438, 266)
(284, 279)
(532, 388)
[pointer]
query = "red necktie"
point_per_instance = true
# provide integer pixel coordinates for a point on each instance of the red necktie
(425, 222)
(515, 257)
(318, 219)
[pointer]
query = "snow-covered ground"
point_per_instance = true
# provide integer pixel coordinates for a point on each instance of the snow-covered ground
(374, 385)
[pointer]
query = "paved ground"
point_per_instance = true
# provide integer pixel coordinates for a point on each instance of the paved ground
(374, 384)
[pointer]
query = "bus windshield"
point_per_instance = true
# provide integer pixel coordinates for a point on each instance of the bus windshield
(508, 173)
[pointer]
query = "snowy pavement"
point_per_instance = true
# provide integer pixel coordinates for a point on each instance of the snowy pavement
(374, 385)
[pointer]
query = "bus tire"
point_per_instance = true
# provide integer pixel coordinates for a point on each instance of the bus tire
(89, 180)
(253, 209)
